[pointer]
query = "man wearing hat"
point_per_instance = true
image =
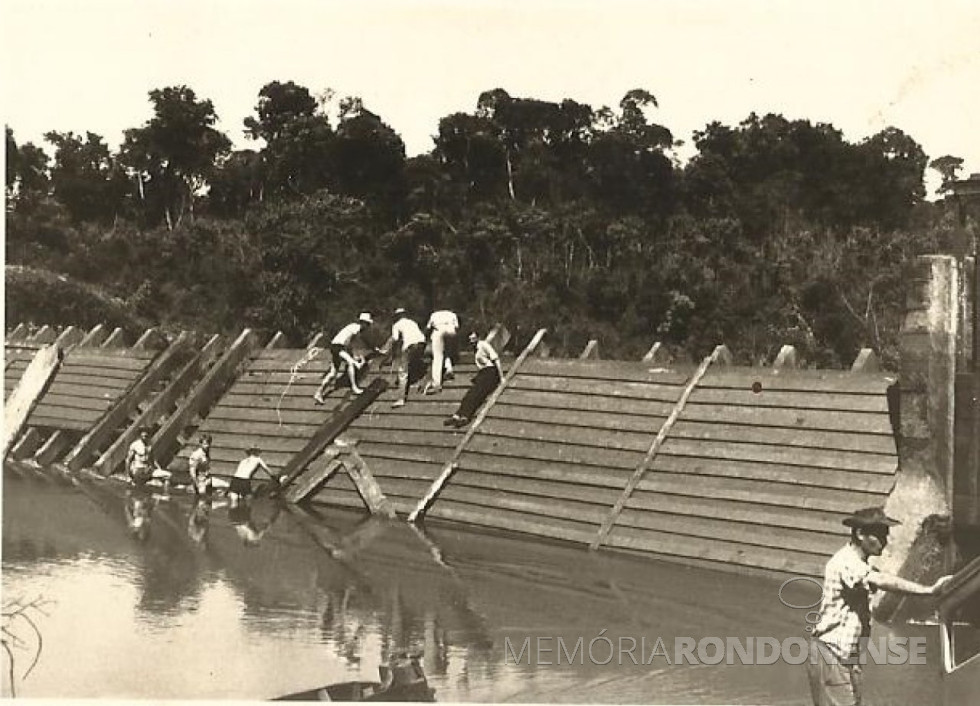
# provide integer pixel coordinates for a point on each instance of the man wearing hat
(341, 357)
(411, 367)
(845, 613)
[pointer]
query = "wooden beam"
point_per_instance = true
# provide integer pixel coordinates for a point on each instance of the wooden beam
(203, 396)
(116, 417)
(278, 340)
(95, 337)
(45, 334)
(54, 447)
(28, 391)
(151, 340)
(114, 339)
(335, 425)
(450, 466)
(367, 486)
(591, 350)
(320, 471)
(71, 336)
(28, 445)
(651, 356)
(160, 405)
(317, 340)
(610, 519)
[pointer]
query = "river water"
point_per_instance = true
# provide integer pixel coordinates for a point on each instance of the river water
(209, 604)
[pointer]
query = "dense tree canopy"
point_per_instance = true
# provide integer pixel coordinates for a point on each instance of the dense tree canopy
(527, 211)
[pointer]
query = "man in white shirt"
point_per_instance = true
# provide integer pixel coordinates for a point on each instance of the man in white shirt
(411, 365)
(443, 326)
(341, 357)
(487, 378)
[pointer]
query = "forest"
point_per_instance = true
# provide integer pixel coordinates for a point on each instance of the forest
(528, 212)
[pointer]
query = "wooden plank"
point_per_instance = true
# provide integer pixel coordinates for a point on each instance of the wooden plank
(73, 401)
(842, 501)
(319, 472)
(367, 487)
(793, 400)
(654, 448)
(239, 442)
(821, 458)
(440, 436)
(63, 417)
(67, 376)
(133, 358)
(598, 388)
(161, 368)
(717, 550)
(565, 473)
(109, 374)
(329, 431)
(203, 396)
(818, 381)
(579, 436)
(766, 517)
(586, 419)
(161, 404)
(581, 455)
(753, 535)
(474, 425)
(267, 414)
(92, 392)
(837, 440)
(554, 491)
(870, 423)
(626, 371)
(233, 401)
(24, 398)
(511, 521)
(586, 403)
(269, 427)
(805, 476)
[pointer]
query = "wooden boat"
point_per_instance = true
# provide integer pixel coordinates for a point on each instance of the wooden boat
(402, 679)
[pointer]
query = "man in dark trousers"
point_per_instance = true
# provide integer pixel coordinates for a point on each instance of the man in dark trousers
(411, 367)
(834, 669)
(488, 376)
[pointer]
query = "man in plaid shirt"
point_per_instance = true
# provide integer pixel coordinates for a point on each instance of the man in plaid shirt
(845, 613)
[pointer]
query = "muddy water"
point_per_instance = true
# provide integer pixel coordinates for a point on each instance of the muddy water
(207, 605)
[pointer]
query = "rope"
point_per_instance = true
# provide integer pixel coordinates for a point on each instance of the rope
(294, 374)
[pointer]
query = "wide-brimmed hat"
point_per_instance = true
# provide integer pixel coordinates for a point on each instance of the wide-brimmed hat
(365, 318)
(870, 517)
(400, 311)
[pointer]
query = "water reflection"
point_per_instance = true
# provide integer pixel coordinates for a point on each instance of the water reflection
(259, 601)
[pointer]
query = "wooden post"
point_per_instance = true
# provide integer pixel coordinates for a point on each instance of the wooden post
(45, 335)
(450, 467)
(94, 338)
(115, 339)
(320, 471)
(591, 350)
(150, 340)
(720, 352)
(651, 355)
(128, 403)
(68, 338)
(19, 334)
(28, 391)
(367, 486)
(160, 405)
(202, 397)
(278, 340)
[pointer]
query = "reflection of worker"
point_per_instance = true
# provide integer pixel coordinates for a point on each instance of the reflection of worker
(252, 519)
(845, 614)
(443, 326)
(199, 521)
(485, 381)
(411, 366)
(139, 509)
(342, 358)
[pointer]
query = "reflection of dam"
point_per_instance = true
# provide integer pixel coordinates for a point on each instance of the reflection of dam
(729, 465)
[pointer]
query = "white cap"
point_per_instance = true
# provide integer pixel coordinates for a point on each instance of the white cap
(365, 318)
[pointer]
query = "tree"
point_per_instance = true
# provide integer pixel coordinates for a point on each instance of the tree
(27, 179)
(174, 153)
(85, 177)
(948, 167)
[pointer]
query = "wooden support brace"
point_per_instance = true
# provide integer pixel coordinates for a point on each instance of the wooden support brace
(28, 391)
(54, 447)
(160, 405)
(45, 335)
(367, 486)
(866, 362)
(450, 467)
(655, 355)
(719, 353)
(20, 333)
(115, 339)
(151, 339)
(28, 444)
(202, 397)
(786, 358)
(591, 350)
(116, 417)
(320, 471)
(334, 426)
(317, 340)
(95, 337)
(278, 340)
(71, 336)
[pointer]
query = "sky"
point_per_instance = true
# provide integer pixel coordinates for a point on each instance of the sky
(862, 66)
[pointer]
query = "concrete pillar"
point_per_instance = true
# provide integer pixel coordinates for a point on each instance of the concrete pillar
(920, 548)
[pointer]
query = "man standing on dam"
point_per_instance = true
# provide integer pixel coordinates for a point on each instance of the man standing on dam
(834, 668)
(341, 357)
(443, 326)
(411, 365)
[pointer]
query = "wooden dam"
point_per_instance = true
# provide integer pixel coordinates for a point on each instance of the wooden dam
(750, 468)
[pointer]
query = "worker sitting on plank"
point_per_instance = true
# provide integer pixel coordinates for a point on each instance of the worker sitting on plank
(485, 381)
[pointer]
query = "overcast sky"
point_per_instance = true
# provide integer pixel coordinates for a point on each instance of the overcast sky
(70, 65)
